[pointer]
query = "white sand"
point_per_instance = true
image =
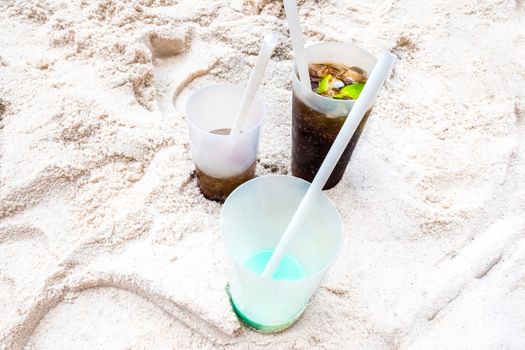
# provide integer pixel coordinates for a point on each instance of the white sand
(105, 241)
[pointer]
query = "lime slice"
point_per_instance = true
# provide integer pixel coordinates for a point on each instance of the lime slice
(323, 84)
(350, 91)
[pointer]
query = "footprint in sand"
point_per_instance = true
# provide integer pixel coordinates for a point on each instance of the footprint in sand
(18, 267)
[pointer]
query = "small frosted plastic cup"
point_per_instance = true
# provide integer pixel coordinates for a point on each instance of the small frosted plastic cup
(316, 120)
(252, 221)
(222, 161)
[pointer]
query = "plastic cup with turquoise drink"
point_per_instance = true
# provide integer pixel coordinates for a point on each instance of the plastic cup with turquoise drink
(252, 222)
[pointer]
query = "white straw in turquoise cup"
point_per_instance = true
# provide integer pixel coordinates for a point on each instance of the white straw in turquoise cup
(252, 222)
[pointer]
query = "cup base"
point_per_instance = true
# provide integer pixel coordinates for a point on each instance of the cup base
(258, 327)
(218, 189)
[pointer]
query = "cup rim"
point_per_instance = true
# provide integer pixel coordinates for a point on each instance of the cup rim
(231, 85)
(328, 43)
(312, 276)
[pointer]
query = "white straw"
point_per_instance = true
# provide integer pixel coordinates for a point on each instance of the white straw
(370, 91)
(296, 33)
(268, 45)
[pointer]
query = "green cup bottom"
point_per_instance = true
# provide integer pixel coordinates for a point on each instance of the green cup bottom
(258, 326)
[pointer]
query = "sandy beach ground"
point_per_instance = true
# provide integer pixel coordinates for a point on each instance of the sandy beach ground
(106, 242)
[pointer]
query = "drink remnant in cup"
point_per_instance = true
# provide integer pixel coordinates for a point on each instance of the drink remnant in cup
(289, 268)
(218, 189)
(314, 132)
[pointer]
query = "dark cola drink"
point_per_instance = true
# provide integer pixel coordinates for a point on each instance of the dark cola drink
(316, 121)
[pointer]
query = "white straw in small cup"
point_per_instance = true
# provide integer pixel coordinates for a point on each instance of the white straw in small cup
(268, 45)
